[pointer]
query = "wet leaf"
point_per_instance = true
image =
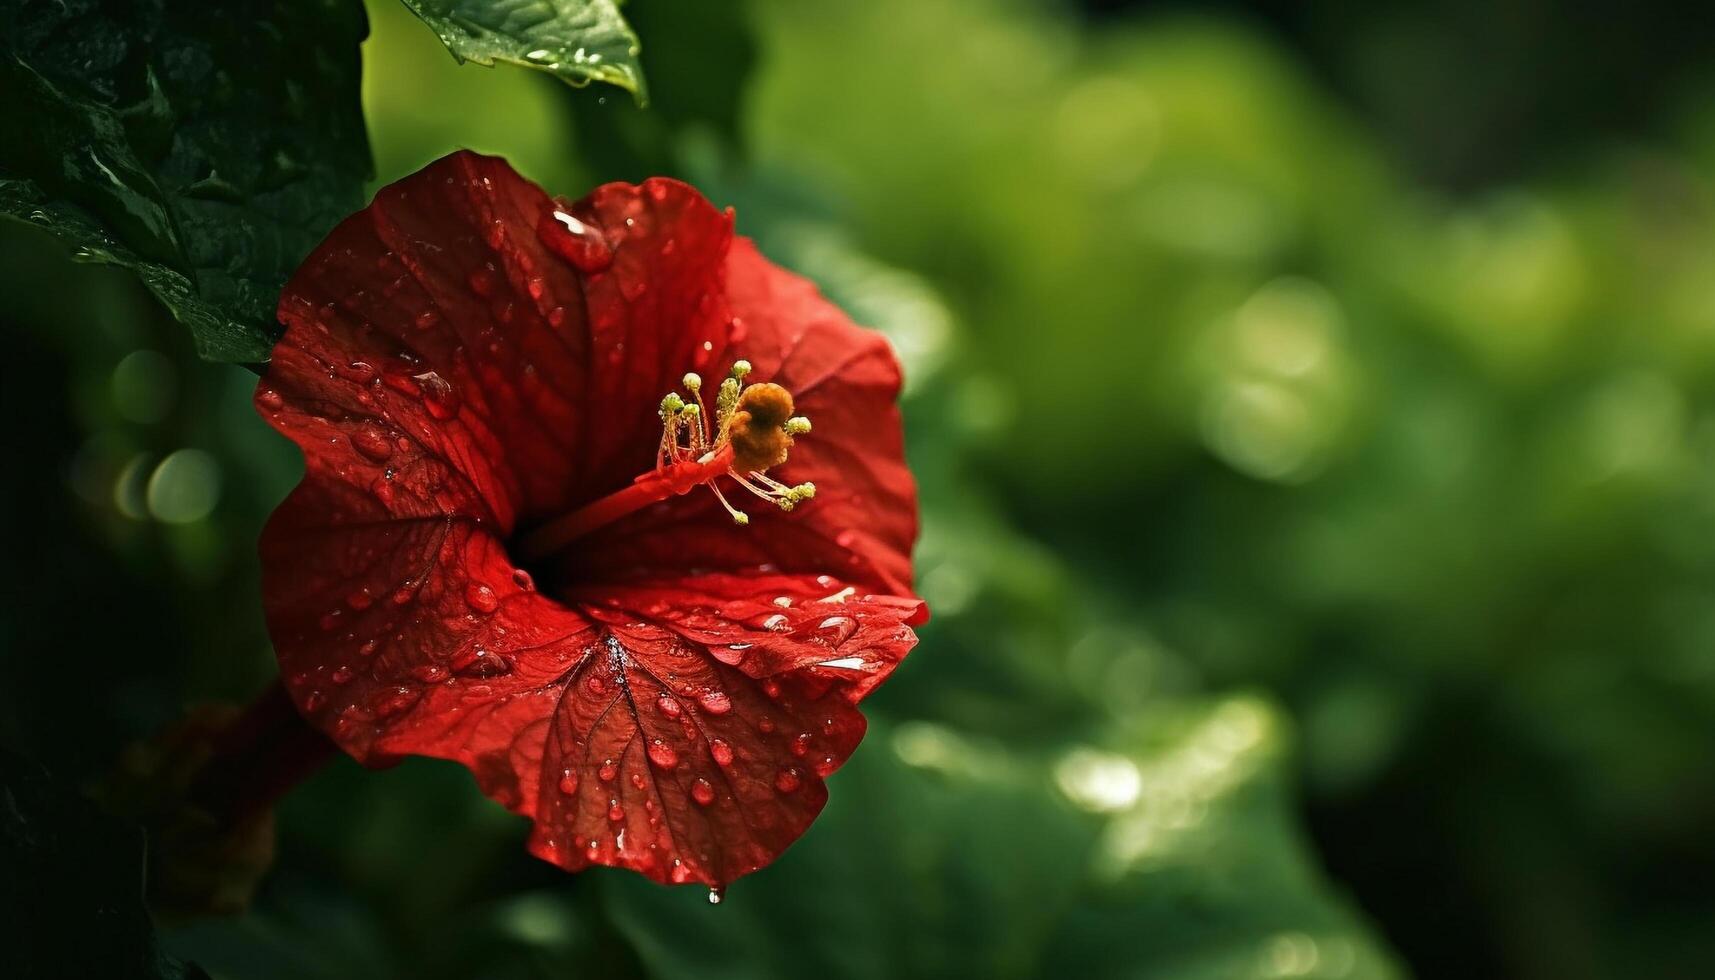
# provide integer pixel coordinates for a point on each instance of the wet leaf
(1167, 851)
(208, 149)
(578, 40)
(84, 916)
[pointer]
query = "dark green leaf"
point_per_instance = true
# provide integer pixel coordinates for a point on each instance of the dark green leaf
(83, 913)
(207, 148)
(579, 40)
(1168, 853)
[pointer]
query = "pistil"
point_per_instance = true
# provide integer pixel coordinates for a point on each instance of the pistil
(753, 430)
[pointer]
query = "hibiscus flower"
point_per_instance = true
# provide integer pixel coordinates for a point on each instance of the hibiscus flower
(641, 608)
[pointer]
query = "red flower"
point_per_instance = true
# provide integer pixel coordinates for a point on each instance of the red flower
(475, 375)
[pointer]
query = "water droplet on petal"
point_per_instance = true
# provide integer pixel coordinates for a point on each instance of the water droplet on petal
(801, 745)
(482, 281)
(438, 396)
(392, 701)
(608, 771)
(836, 630)
(668, 706)
(715, 895)
(662, 754)
(721, 751)
(715, 702)
(427, 319)
(615, 812)
(341, 675)
(584, 246)
(522, 579)
(702, 792)
(479, 662)
(270, 399)
(788, 781)
(482, 598)
(595, 685)
(430, 673)
(569, 781)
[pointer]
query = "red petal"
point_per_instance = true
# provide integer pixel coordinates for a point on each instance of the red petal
(460, 360)
(863, 521)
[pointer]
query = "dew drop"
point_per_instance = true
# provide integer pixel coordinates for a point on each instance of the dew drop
(427, 319)
(372, 441)
(765, 726)
(482, 598)
(522, 579)
(368, 648)
(715, 895)
(438, 396)
(777, 623)
(482, 663)
(314, 701)
(801, 745)
(668, 706)
(430, 673)
(702, 792)
(595, 685)
(482, 281)
(341, 675)
(787, 781)
(608, 771)
(584, 246)
(270, 399)
(662, 754)
(568, 781)
(715, 702)
(359, 600)
(615, 812)
(392, 701)
(836, 630)
(721, 751)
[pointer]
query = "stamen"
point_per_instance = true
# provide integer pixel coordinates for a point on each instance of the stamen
(739, 517)
(752, 430)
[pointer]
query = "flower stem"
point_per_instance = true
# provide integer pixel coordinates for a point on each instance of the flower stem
(655, 485)
(264, 753)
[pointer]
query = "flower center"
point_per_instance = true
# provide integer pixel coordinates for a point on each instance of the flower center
(752, 430)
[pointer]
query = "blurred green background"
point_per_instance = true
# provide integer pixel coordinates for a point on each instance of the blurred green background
(1315, 416)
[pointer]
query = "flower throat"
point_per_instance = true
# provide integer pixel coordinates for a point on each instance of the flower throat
(752, 430)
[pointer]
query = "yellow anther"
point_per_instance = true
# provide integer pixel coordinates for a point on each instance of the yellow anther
(786, 503)
(740, 518)
(692, 380)
(797, 425)
(740, 368)
(672, 404)
(805, 491)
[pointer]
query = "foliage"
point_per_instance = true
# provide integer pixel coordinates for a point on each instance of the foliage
(207, 149)
(1302, 537)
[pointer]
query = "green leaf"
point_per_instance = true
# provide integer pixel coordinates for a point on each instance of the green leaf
(208, 148)
(578, 40)
(83, 915)
(1168, 851)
